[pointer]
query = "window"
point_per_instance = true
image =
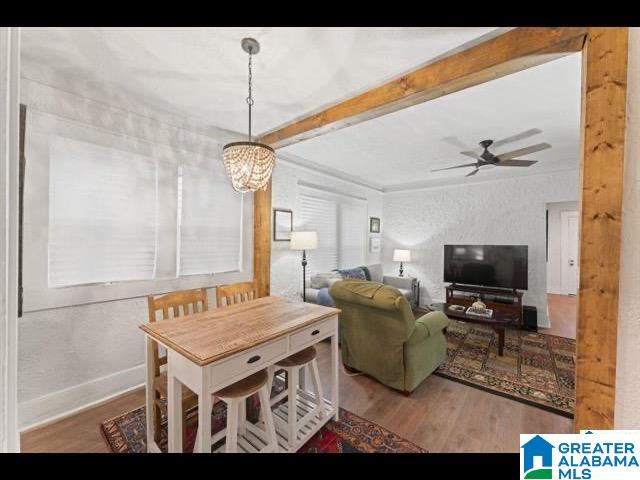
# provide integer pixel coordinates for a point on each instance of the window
(103, 221)
(341, 223)
(319, 215)
(102, 214)
(209, 222)
(353, 233)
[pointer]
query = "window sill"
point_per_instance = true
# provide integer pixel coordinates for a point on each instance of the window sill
(36, 299)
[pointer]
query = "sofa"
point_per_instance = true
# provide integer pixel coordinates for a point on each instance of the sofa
(381, 337)
(317, 292)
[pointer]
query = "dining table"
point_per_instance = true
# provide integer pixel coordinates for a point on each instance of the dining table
(211, 350)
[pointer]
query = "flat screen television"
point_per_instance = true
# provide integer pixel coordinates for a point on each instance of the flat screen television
(501, 266)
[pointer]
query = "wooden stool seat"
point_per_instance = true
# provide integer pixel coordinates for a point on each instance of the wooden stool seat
(245, 387)
(298, 359)
(189, 398)
(235, 396)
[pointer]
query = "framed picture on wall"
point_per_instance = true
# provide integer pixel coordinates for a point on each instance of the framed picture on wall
(374, 225)
(282, 224)
(374, 244)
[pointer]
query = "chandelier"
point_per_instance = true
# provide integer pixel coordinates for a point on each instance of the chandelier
(249, 164)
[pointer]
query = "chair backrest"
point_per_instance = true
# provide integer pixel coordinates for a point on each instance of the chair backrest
(235, 293)
(180, 303)
(373, 307)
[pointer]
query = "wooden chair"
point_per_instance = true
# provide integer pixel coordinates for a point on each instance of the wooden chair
(179, 304)
(235, 293)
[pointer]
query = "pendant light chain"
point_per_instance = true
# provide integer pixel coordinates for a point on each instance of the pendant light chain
(249, 164)
(250, 97)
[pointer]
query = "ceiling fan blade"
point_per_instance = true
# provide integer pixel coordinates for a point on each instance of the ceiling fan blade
(472, 173)
(516, 163)
(523, 151)
(472, 154)
(515, 138)
(456, 142)
(457, 166)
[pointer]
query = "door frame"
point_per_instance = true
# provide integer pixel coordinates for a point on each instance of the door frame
(603, 121)
(564, 244)
(9, 162)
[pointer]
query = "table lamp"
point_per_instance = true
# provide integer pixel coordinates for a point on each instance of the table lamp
(401, 256)
(304, 241)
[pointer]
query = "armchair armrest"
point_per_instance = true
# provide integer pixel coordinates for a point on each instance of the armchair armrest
(399, 282)
(434, 322)
(428, 325)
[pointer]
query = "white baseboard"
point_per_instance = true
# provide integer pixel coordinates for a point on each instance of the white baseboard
(60, 404)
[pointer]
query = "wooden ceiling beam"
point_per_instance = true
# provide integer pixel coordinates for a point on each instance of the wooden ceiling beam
(513, 51)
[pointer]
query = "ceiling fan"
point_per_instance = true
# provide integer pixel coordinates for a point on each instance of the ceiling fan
(484, 157)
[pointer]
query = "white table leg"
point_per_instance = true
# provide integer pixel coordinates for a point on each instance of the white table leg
(174, 409)
(335, 379)
(204, 414)
(150, 394)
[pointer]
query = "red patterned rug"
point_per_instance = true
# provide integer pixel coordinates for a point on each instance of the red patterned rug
(126, 433)
(536, 368)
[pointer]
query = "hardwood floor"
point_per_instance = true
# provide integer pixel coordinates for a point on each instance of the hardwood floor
(563, 315)
(440, 415)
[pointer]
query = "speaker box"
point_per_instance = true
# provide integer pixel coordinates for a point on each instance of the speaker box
(530, 318)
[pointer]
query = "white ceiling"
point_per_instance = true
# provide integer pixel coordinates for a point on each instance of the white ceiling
(399, 150)
(201, 73)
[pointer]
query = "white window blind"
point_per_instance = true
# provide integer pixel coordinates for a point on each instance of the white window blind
(209, 223)
(341, 223)
(102, 214)
(319, 214)
(353, 234)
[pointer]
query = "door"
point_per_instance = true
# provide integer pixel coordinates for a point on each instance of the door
(569, 252)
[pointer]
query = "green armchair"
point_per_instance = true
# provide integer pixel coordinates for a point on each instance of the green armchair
(381, 337)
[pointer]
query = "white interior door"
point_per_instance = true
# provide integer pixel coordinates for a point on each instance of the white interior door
(569, 252)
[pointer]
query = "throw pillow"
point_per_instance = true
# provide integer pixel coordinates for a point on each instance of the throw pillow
(355, 273)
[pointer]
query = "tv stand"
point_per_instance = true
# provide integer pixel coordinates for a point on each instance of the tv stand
(505, 302)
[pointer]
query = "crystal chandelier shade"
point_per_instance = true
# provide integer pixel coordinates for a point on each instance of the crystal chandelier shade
(249, 164)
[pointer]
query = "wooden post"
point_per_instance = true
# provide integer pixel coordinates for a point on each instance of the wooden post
(262, 241)
(604, 96)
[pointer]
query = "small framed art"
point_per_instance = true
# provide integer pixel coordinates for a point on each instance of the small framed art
(374, 244)
(282, 224)
(374, 225)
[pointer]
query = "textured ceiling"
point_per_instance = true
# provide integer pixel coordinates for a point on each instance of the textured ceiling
(201, 73)
(399, 150)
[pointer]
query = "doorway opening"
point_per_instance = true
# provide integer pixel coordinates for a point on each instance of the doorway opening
(562, 267)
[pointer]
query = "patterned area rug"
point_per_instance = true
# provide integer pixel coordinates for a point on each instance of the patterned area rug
(536, 368)
(126, 433)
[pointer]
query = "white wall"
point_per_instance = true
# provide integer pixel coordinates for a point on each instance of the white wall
(554, 263)
(286, 271)
(627, 415)
(79, 345)
(498, 212)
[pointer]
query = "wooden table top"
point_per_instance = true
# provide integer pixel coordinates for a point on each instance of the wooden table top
(218, 333)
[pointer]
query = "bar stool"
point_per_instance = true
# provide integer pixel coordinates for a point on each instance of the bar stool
(235, 397)
(293, 365)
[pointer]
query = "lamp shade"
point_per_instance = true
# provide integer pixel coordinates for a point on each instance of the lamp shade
(304, 240)
(401, 255)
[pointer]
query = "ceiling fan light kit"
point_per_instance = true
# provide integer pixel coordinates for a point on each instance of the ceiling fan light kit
(508, 159)
(249, 164)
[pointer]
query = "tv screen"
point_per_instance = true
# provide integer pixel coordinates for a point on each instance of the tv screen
(502, 266)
